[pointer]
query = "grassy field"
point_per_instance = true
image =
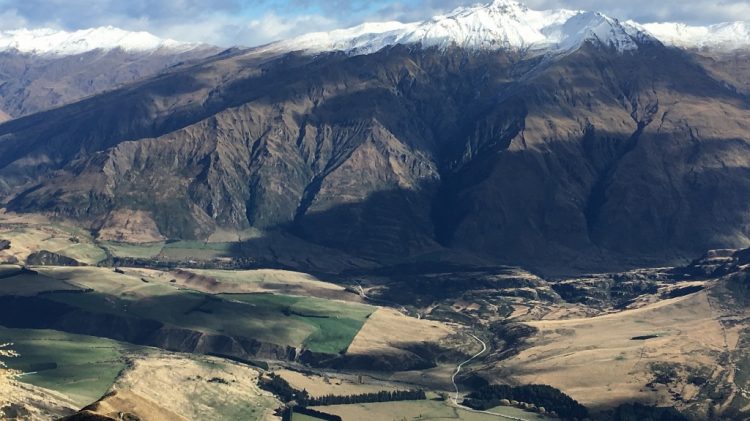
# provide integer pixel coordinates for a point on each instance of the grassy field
(303, 417)
(107, 281)
(421, 410)
(67, 241)
(85, 368)
(26, 284)
(335, 384)
(261, 280)
(596, 361)
(139, 251)
(257, 276)
(333, 324)
(176, 250)
(170, 250)
(81, 367)
(321, 325)
(183, 250)
(86, 253)
(198, 387)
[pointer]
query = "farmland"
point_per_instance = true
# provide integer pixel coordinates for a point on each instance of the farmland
(317, 324)
(154, 384)
(81, 367)
(422, 410)
(197, 387)
(27, 238)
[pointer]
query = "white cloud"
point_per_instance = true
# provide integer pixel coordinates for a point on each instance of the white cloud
(221, 29)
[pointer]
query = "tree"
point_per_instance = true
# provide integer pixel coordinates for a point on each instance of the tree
(7, 375)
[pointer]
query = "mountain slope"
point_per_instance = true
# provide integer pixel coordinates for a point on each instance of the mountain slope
(43, 68)
(593, 158)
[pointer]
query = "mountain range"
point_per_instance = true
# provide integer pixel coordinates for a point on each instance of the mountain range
(46, 68)
(553, 139)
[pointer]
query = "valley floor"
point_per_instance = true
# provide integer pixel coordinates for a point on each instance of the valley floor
(187, 343)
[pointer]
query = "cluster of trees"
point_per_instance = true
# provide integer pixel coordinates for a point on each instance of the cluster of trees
(382, 396)
(538, 395)
(281, 388)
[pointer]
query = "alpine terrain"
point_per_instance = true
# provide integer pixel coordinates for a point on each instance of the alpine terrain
(45, 68)
(495, 212)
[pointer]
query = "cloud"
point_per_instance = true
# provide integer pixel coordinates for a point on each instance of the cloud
(220, 22)
(226, 30)
(254, 22)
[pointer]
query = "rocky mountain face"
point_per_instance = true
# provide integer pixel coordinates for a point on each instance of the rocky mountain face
(43, 69)
(594, 157)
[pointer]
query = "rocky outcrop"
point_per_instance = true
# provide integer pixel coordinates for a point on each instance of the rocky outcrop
(610, 290)
(48, 258)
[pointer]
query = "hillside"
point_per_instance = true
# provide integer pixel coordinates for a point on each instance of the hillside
(593, 154)
(45, 68)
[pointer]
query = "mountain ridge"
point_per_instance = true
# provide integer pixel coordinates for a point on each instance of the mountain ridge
(726, 36)
(509, 24)
(502, 24)
(52, 42)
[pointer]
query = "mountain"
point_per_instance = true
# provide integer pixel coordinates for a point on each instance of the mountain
(728, 36)
(46, 68)
(46, 41)
(592, 145)
(502, 24)
(508, 24)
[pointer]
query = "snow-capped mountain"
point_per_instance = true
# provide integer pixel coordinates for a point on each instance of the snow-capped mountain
(502, 24)
(47, 41)
(722, 36)
(45, 68)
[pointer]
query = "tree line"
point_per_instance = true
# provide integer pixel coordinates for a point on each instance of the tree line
(551, 399)
(281, 388)
(382, 396)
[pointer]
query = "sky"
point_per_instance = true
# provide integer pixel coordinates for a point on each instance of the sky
(255, 22)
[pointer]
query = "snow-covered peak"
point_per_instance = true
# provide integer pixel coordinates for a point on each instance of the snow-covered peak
(502, 24)
(365, 38)
(47, 41)
(723, 36)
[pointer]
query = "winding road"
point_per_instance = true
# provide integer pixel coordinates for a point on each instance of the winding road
(455, 385)
(460, 366)
(364, 296)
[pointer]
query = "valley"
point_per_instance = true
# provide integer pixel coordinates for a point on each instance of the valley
(489, 213)
(665, 337)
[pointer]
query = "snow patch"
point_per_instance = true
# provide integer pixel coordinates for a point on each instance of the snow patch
(47, 41)
(723, 36)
